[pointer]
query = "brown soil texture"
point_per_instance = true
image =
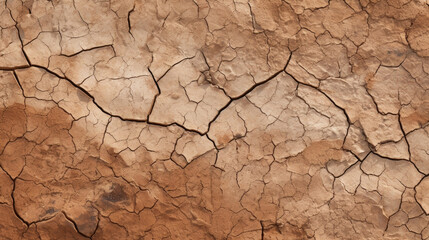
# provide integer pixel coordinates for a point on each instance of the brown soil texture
(214, 119)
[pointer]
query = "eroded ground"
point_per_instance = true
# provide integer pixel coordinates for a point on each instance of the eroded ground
(229, 119)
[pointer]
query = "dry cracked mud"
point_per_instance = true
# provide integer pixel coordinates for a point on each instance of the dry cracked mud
(214, 119)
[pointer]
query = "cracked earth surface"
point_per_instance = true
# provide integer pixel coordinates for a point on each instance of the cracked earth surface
(214, 119)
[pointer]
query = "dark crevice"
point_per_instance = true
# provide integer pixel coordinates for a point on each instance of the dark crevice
(14, 205)
(129, 20)
(19, 83)
(75, 225)
(405, 136)
(156, 96)
(86, 50)
(415, 193)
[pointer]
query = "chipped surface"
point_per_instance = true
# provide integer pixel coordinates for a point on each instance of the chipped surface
(144, 119)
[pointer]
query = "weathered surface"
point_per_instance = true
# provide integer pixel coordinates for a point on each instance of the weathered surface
(204, 119)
